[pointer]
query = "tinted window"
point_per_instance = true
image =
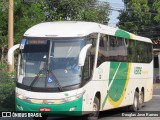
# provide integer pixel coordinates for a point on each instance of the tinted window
(112, 48)
(103, 49)
(89, 61)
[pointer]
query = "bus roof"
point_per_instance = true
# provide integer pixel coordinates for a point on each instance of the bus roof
(77, 29)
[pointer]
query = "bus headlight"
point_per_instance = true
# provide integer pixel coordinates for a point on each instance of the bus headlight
(49, 101)
(69, 99)
(20, 96)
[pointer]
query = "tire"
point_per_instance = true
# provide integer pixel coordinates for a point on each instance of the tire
(135, 106)
(141, 99)
(95, 113)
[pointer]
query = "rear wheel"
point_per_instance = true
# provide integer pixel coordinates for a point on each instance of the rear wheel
(135, 105)
(141, 99)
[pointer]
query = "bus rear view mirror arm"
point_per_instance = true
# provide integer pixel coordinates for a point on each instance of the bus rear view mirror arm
(83, 53)
(11, 52)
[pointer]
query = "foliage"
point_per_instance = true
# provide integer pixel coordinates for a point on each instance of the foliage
(3, 28)
(156, 6)
(25, 16)
(7, 89)
(85, 10)
(141, 17)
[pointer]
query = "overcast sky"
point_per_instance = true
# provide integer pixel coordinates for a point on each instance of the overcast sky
(116, 5)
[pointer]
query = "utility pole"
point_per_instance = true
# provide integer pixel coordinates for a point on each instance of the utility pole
(10, 31)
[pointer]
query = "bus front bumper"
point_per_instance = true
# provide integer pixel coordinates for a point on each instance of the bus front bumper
(73, 108)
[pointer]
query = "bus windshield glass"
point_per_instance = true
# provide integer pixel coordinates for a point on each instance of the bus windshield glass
(50, 63)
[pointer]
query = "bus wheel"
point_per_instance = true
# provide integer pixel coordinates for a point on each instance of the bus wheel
(95, 111)
(135, 106)
(141, 99)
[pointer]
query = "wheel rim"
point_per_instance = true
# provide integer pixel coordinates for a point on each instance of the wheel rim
(94, 113)
(135, 102)
(141, 99)
(95, 107)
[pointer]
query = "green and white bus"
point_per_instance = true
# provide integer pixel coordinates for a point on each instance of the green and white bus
(80, 68)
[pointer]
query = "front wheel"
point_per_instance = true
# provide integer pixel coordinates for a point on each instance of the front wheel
(95, 111)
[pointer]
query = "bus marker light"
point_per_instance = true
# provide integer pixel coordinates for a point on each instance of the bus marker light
(45, 109)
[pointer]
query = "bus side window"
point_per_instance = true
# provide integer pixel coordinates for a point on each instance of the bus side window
(89, 61)
(86, 68)
(103, 49)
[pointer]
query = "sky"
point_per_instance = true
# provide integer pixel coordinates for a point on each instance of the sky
(116, 5)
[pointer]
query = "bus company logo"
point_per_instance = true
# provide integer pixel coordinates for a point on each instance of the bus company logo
(6, 114)
(15, 114)
(138, 70)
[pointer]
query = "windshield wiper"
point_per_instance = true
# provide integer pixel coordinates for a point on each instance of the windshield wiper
(37, 76)
(47, 77)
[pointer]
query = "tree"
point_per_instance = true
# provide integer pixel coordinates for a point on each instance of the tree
(25, 16)
(156, 8)
(84, 10)
(29, 14)
(141, 17)
(3, 28)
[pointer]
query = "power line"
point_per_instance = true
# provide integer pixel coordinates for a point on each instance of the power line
(120, 10)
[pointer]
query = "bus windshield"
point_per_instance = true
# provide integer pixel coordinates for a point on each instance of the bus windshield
(50, 63)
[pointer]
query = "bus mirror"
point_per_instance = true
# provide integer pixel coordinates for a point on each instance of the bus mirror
(11, 52)
(82, 55)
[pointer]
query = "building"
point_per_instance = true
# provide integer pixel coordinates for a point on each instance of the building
(156, 53)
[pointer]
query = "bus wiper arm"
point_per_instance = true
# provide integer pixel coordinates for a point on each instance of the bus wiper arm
(47, 74)
(37, 76)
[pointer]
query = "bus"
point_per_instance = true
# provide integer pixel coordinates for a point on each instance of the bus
(80, 68)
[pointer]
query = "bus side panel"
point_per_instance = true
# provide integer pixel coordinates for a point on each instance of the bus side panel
(112, 83)
(117, 82)
(119, 75)
(141, 76)
(100, 82)
(87, 101)
(149, 84)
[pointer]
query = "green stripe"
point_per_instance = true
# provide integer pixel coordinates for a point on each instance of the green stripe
(118, 84)
(119, 81)
(122, 33)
